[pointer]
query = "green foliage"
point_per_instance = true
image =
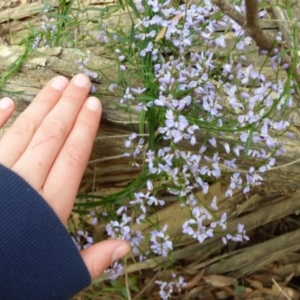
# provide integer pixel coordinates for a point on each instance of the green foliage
(238, 289)
(120, 287)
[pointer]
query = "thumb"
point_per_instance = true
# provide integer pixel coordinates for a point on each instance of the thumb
(98, 257)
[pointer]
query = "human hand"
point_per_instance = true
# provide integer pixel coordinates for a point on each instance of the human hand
(49, 145)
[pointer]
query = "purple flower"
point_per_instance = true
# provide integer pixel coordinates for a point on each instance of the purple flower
(147, 50)
(213, 142)
(83, 240)
(171, 26)
(238, 237)
(130, 139)
(174, 126)
(138, 90)
(135, 241)
(220, 41)
(160, 243)
(213, 204)
(152, 200)
(119, 230)
(112, 87)
(94, 218)
(115, 271)
(247, 73)
(127, 96)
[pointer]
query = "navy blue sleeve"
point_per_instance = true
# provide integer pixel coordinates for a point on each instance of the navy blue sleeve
(38, 259)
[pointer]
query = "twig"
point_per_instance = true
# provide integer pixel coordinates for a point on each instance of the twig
(263, 41)
(230, 11)
(127, 280)
(106, 158)
(280, 289)
(145, 287)
(119, 136)
(271, 169)
(250, 23)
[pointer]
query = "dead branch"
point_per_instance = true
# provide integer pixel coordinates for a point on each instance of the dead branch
(250, 23)
(263, 41)
(230, 11)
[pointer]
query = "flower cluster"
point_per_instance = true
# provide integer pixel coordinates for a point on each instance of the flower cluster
(167, 288)
(196, 100)
(83, 240)
(203, 114)
(82, 65)
(142, 201)
(47, 30)
(137, 147)
(238, 237)
(115, 270)
(121, 230)
(160, 243)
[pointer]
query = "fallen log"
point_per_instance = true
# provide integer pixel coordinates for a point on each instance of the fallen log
(42, 65)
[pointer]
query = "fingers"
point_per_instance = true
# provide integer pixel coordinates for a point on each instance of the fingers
(63, 180)
(52, 132)
(17, 138)
(6, 110)
(50, 142)
(98, 257)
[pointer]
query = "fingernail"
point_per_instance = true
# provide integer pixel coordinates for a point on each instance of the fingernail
(81, 80)
(93, 103)
(120, 252)
(5, 103)
(59, 83)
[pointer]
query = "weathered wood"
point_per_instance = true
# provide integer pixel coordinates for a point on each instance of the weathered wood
(37, 71)
(285, 23)
(30, 9)
(15, 22)
(42, 66)
(241, 261)
(11, 20)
